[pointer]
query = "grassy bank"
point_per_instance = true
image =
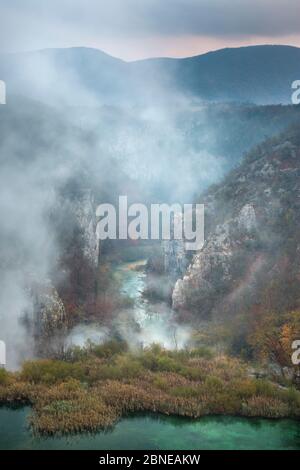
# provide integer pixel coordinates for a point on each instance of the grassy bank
(92, 389)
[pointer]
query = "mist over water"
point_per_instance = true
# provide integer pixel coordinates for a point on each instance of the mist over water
(44, 147)
(141, 325)
(83, 335)
(155, 321)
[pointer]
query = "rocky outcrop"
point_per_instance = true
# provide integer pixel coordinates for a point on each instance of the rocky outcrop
(212, 270)
(78, 248)
(46, 321)
(252, 231)
(72, 282)
(49, 310)
(84, 210)
(247, 219)
(175, 258)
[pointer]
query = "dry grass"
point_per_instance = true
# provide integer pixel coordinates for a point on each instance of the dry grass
(93, 390)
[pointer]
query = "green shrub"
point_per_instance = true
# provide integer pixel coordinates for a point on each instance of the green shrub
(202, 351)
(122, 367)
(109, 349)
(59, 407)
(159, 362)
(167, 364)
(213, 384)
(292, 397)
(50, 372)
(263, 387)
(128, 366)
(244, 388)
(185, 391)
(4, 377)
(193, 373)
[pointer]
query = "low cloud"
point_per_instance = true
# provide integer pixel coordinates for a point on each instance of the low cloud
(114, 24)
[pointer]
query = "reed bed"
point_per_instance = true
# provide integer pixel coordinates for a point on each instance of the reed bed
(93, 389)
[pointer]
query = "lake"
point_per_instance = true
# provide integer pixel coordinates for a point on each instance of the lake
(154, 432)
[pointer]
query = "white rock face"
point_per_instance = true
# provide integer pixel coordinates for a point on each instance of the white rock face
(244, 212)
(214, 256)
(84, 209)
(48, 309)
(247, 218)
(212, 266)
(174, 258)
(53, 313)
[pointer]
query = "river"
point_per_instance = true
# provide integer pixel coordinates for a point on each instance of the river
(155, 321)
(147, 432)
(141, 324)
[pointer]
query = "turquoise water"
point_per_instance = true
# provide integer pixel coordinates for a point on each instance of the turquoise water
(158, 432)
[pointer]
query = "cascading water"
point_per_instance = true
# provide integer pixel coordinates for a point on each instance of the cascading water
(141, 324)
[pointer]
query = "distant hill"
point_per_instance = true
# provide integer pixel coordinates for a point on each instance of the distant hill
(257, 74)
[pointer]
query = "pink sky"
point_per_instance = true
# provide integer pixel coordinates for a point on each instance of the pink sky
(183, 46)
(137, 29)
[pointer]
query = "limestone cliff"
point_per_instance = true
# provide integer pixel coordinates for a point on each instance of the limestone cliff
(175, 258)
(71, 283)
(84, 210)
(252, 234)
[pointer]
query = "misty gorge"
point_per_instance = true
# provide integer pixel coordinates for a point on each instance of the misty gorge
(98, 331)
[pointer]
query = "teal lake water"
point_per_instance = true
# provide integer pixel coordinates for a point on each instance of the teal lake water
(158, 432)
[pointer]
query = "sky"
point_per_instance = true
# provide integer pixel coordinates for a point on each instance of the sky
(136, 29)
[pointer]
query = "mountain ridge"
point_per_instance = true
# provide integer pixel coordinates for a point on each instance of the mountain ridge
(104, 53)
(258, 74)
